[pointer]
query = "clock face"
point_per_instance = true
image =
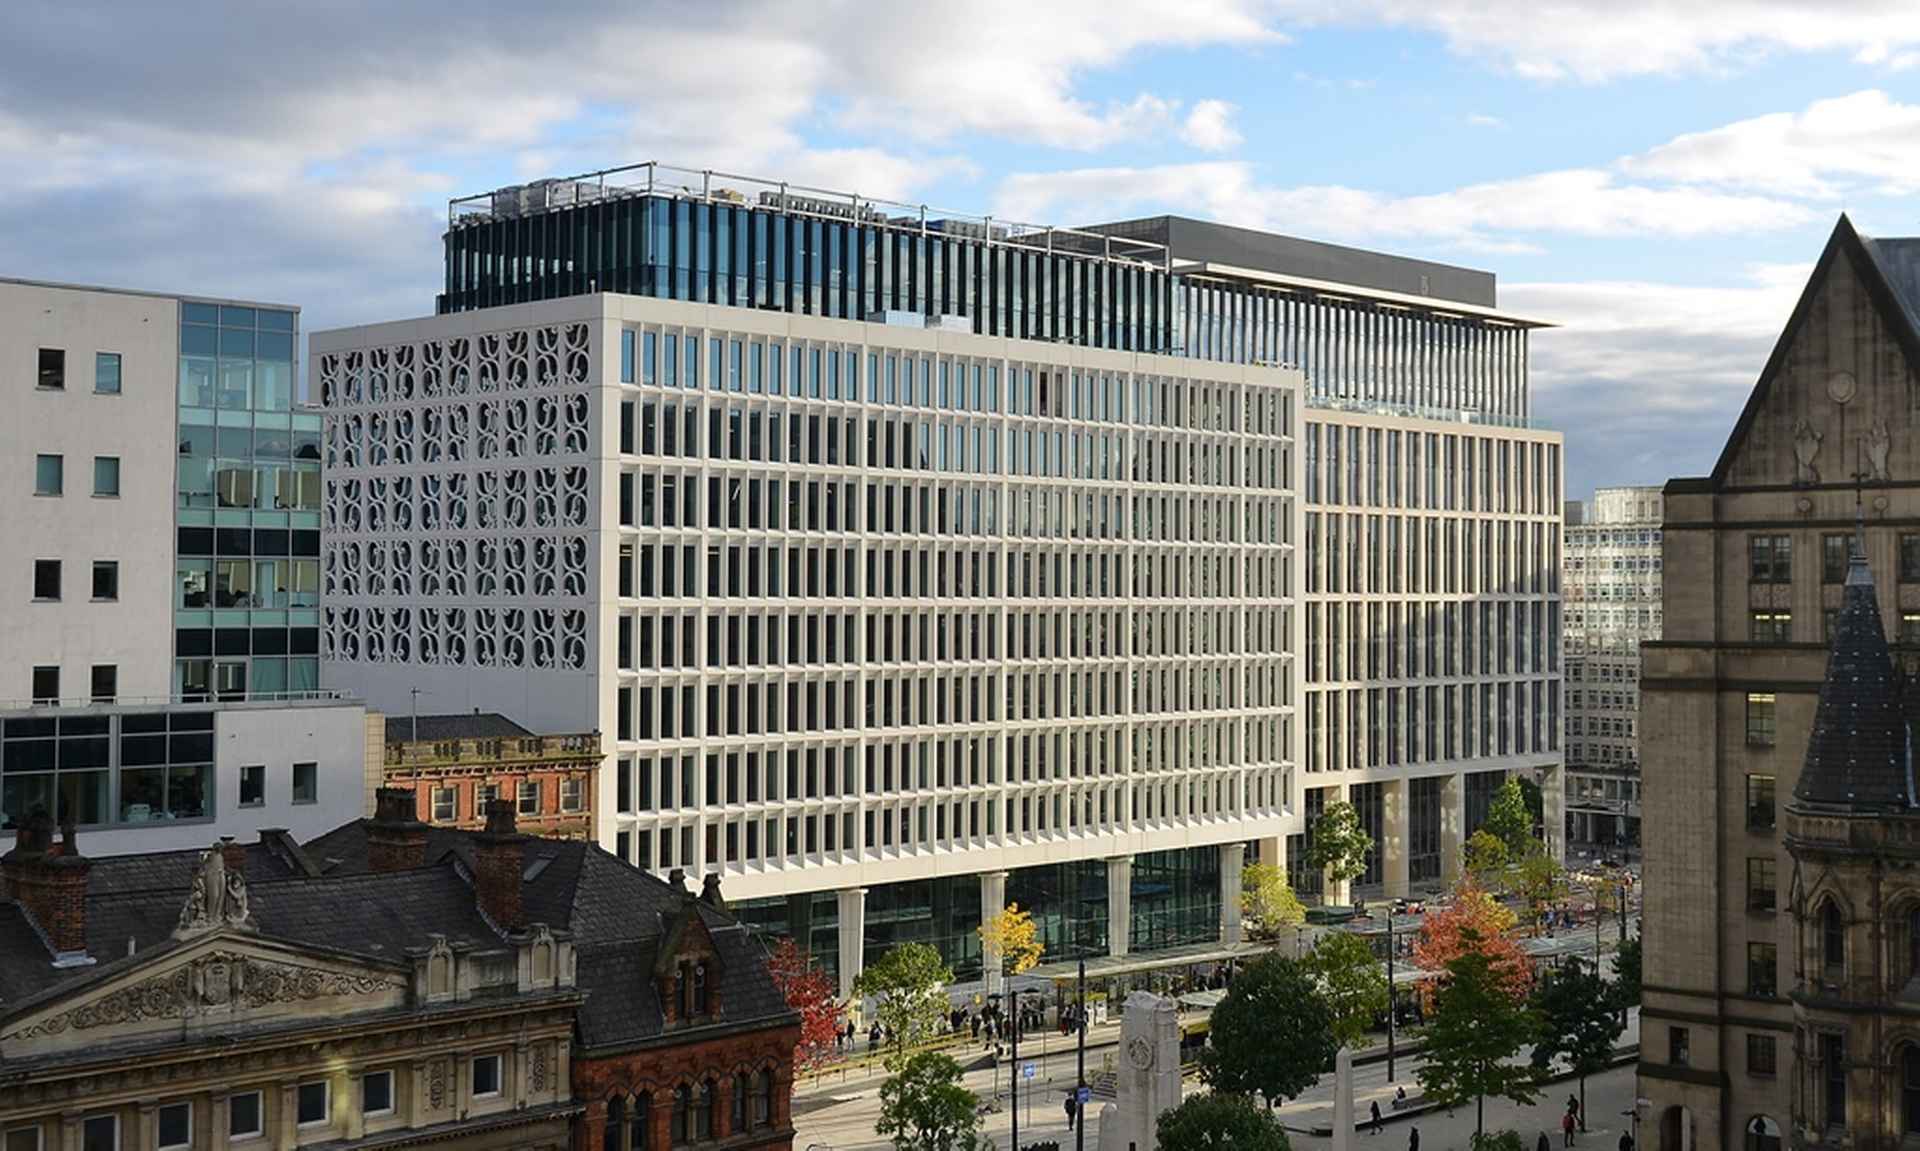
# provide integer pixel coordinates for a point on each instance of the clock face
(1841, 387)
(1140, 1053)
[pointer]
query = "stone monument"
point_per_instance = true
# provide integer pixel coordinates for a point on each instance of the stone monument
(1149, 1074)
(1343, 1100)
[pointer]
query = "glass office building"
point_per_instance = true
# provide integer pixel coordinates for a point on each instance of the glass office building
(247, 512)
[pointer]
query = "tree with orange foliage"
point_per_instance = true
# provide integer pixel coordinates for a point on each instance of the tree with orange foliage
(809, 991)
(1474, 921)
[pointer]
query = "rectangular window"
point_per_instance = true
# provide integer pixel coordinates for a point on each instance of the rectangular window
(253, 784)
(1770, 627)
(100, 1133)
(312, 1102)
(1761, 727)
(106, 475)
(1763, 960)
(46, 579)
(106, 373)
(1760, 803)
(106, 579)
(46, 684)
(174, 1127)
(483, 794)
(1761, 1059)
(49, 475)
(53, 368)
(528, 797)
(376, 1093)
(243, 1116)
(1833, 1061)
(105, 682)
(1760, 884)
(306, 783)
(23, 1139)
(1835, 548)
(1771, 558)
(1677, 1047)
(1909, 557)
(486, 1076)
(443, 804)
(573, 795)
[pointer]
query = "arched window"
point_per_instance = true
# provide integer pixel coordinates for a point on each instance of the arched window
(1833, 939)
(682, 1109)
(1762, 1134)
(703, 1104)
(616, 1115)
(1913, 942)
(739, 1108)
(1910, 1090)
(640, 1127)
(762, 1107)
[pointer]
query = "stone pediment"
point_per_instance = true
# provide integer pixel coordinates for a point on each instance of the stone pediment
(218, 982)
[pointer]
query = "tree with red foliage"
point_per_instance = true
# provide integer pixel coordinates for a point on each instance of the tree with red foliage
(1474, 921)
(809, 991)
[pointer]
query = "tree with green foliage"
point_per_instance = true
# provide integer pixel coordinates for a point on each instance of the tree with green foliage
(1269, 901)
(1508, 819)
(924, 1108)
(1508, 1140)
(1219, 1122)
(910, 983)
(1353, 982)
(1626, 976)
(1338, 844)
(1577, 1023)
(1476, 1028)
(1272, 1034)
(1539, 879)
(1487, 860)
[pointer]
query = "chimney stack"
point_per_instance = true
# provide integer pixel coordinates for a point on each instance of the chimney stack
(710, 892)
(395, 839)
(233, 854)
(498, 860)
(50, 883)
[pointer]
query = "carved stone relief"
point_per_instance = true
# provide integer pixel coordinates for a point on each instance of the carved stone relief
(214, 982)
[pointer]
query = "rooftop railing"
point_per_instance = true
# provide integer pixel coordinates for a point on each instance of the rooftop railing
(263, 699)
(709, 186)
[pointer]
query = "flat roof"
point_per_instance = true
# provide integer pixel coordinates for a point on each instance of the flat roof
(187, 297)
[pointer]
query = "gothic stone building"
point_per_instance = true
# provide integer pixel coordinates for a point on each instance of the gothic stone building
(387, 984)
(1734, 1052)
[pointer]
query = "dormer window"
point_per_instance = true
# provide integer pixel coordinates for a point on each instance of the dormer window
(699, 989)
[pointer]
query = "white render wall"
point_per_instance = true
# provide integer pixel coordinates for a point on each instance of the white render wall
(137, 425)
(1234, 700)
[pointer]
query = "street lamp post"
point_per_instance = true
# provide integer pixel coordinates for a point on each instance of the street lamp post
(1392, 1004)
(1013, 1069)
(1080, 1088)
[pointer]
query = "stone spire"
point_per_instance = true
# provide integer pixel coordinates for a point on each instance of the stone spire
(1860, 756)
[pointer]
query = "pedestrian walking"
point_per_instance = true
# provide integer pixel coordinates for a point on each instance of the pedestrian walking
(1413, 1139)
(1566, 1128)
(1073, 1110)
(1543, 1144)
(1626, 1141)
(1374, 1107)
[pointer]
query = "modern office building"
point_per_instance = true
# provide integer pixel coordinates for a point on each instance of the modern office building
(917, 565)
(1769, 958)
(139, 778)
(1613, 605)
(165, 507)
(1431, 536)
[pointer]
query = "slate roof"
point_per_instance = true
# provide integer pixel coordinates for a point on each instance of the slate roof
(1859, 757)
(463, 725)
(324, 895)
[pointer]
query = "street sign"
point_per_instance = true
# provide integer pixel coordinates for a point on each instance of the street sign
(1084, 1095)
(1028, 1070)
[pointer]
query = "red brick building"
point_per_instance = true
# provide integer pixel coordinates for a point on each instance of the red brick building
(456, 764)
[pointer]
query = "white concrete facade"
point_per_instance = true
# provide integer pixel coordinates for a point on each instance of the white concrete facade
(81, 420)
(296, 767)
(1432, 662)
(936, 603)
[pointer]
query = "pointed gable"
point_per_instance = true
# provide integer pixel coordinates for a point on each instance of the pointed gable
(1859, 757)
(1840, 392)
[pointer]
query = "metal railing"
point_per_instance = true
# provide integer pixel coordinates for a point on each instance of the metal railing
(184, 699)
(654, 178)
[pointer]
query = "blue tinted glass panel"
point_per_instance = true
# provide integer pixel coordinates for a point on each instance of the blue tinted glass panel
(236, 343)
(197, 341)
(199, 313)
(236, 317)
(276, 321)
(626, 355)
(273, 345)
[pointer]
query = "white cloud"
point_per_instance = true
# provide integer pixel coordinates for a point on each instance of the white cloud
(1482, 120)
(1835, 144)
(1209, 126)
(1598, 40)
(1581, 201)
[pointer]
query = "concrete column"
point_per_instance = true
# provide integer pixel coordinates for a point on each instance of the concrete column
(993, 900)
(1271, 851)
(217, 1124)
(347, 1103)
(853, 936)
(146, 1128)
(417, 1095)
(1119, 903)
(289, 1112)
(1553, 810)
(1395, 840)
(1453, 827)
(70, 1132)
(1233, 858)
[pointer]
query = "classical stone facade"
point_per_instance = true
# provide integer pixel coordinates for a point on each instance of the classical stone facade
(1756, 559)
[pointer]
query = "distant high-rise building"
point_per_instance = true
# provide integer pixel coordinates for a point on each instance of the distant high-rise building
(1779, 953)
(1612, 606)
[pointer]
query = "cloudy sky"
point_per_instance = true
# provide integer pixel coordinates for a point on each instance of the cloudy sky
(1656, 176)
